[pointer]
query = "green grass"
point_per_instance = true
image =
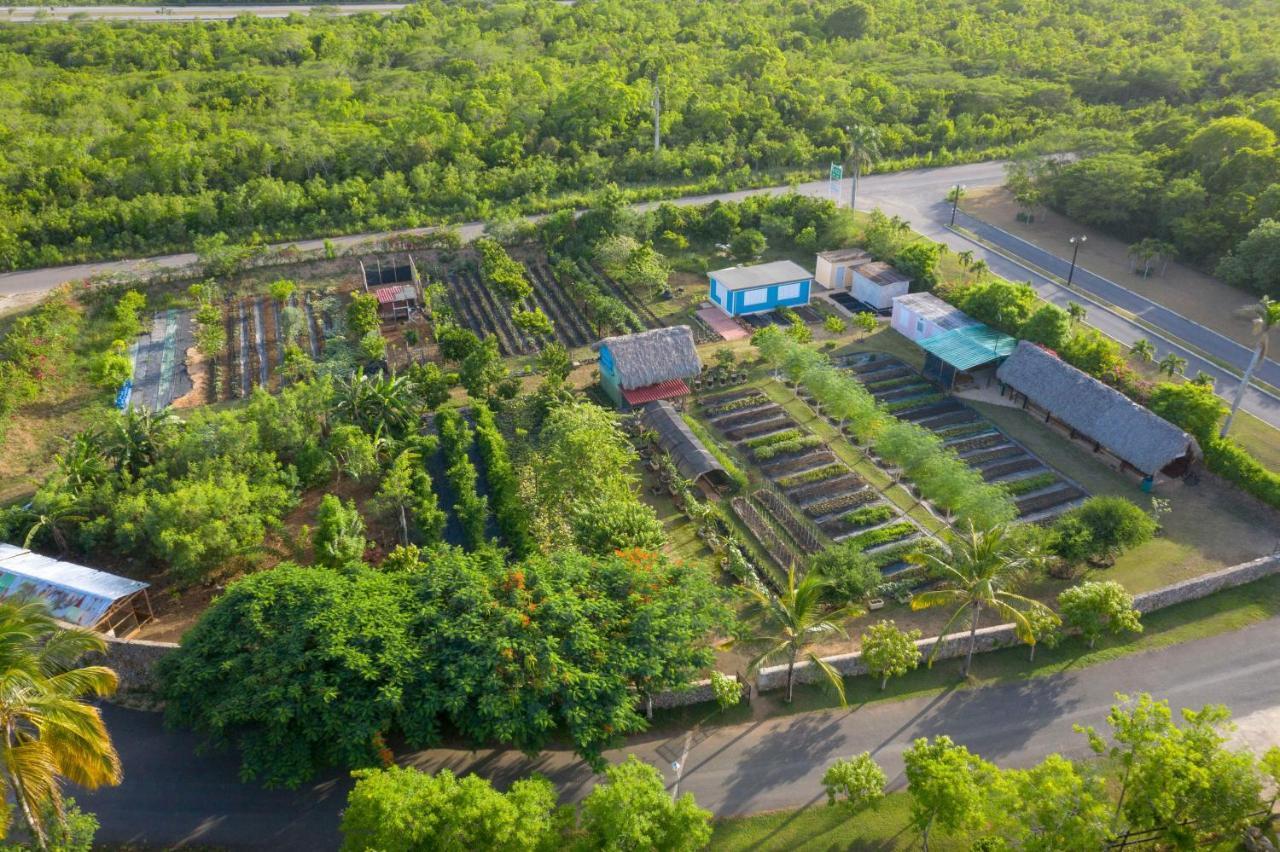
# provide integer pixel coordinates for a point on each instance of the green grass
(822, 828)
(1223, 612)
(1261, 439)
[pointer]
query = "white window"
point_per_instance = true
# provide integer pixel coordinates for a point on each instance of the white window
(755, 297)
(788, 291)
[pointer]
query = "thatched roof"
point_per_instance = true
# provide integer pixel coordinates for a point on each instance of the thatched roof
(1131, 432)
(653, 356)
(691, 456)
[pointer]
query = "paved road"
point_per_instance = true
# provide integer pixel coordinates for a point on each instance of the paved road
(170, 14)
(171, 797)
(1216, 345)
(915, 195)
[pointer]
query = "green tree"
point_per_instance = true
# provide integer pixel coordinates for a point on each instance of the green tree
(866, 322)
(1254, 263)
(1143, 350)
(1076, 312)
(553, 361)
(398, 492)
(533, 322)
(1095, 607)
(1050, 807)
(633, 811)
(403, 809)
(299, 669)
(919, 261)
(1049, 326)
(1044, 624)
(362, 315)
(1100, 529)
(854, 783)
(128, 314)
(849, 21)
(979, 569)
(947, 786)
(430, 384)
(603, 526)
(281, 289)
(864, 139)
(52, 735)
(788, 624)
(353, 452)
(888, 651)
(338, 539)
(850, 574)
(482, 370)
(747, 244)
(1195, 408)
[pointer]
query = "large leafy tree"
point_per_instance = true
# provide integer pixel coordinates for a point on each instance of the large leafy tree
(1099, 606)
(632, 810)
(297, 668)
(979, 571)
(785, 626)
(947, 786)
(51, 733)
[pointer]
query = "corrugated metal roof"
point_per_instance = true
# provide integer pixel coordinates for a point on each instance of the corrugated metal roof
(969, 347)
(669, 389)
(691, 456)
(882, 274)
(75, 594)
(935, 310)
(761, 275)
(399, 293)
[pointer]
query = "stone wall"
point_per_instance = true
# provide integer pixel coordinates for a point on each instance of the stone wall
(135, 661)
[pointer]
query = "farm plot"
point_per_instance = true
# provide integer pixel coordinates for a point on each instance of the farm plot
(808, 497)
(159, 362)
(1039, 492)
(480, 310)
(571, 326)
(616, 290)
(256, 340)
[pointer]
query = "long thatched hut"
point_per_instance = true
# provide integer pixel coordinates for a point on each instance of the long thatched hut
(639, 368)
(1136, 437)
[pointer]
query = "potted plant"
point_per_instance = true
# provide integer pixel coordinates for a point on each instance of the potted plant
(874, 604)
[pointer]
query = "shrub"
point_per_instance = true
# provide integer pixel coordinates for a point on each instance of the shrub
(850, 572)
(1030, 483)
(774, 438)
(1229, 460)
(1095, 607)
(1101, 529)
(503, 274)
(888, 651)
(882, 535)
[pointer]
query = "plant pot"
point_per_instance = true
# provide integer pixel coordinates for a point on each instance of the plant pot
(875, 604)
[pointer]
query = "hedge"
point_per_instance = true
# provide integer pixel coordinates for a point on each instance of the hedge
(1232, 462)
(504, 486)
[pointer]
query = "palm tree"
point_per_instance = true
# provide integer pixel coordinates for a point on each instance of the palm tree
(864, 148)
(1172, 365)
(81, 462)
(136, 436)
(50, 734)
(791, 622)
(1076, 311)
(50, 513)
(1144, 350)
(1265, 316)
(378, 404)
(979, 569)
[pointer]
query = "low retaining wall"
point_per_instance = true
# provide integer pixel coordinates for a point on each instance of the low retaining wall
(135, 661)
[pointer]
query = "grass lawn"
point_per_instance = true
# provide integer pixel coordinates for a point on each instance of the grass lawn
(820, 828)
(1262, 440)
(1223, 612)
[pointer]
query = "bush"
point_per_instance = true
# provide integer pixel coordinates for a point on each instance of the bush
(1229, 460)
(850, 572)
(1100, 530)
(1095, 607)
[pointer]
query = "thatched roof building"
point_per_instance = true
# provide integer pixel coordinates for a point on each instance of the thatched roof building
(639, 368)
(692, 458)
(1135, 435)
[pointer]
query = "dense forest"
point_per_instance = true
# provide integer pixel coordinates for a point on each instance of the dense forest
(121, 139)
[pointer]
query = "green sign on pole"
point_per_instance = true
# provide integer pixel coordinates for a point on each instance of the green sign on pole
(837, 172)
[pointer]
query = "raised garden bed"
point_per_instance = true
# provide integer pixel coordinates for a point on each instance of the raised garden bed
(1040, 502)
(902, 392)
(911, 404)
(817, 474)
(883, 535)
(962, 416)
(895, 554)
(719, 399)
(783, 515)
(978, 442)
(763, 427)
(979, 457)
(785, 467)
(998, 469)
(858, 519)
(874, 362)
(842, 502)
(777, 549)
(960, 430)
(775, 438)
(1029, 484)
(888, 383)
(755, 414)
(751, 399)
(818, 491)
(784, 449)
(942, 407)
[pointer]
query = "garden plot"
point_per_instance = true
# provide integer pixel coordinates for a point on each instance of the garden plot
(478, 309)
(572, 328)
(256, 341)
(159, 360)
(1039, 492)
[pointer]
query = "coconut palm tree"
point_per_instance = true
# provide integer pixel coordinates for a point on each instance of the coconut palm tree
(1172, 365)
(864, 148)
(979, 570)
(51, 734)
(50, 512)
(1076, 311)
(133, 442)
(1265, 316)
(791, 622)
(1144, 350)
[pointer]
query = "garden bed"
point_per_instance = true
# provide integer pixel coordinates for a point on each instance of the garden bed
(777, 549)
(747, 416)
(1037, 503)
(786, 467)
(977, 458)
(785, 518)
(859, 496)
(947, 421)
(944, 406)
(764, 427)
(997, 469)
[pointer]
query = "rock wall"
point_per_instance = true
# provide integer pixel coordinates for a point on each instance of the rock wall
(135, 661)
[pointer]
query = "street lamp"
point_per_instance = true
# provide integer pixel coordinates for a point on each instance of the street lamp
(956, 192)
(1077, 242)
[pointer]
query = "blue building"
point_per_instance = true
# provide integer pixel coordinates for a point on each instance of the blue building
(742, 290)
(636, 369)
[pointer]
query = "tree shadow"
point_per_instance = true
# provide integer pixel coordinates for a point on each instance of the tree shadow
(786, 754)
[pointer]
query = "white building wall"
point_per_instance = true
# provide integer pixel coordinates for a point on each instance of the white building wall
(824, 273)
(866, 290)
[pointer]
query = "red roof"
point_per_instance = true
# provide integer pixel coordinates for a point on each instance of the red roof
(662, 390)
(396, 293)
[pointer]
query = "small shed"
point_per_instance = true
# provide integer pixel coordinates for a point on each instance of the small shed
(919, 316)
(397, 301)
(639, 368)
(740, 290)
(1134, 436)
(692, 458)
(956, 355)
(878, 284)
(85, 597)
(395, 284)
(834, 269)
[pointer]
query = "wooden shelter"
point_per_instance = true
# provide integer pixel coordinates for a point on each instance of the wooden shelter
(85, 597)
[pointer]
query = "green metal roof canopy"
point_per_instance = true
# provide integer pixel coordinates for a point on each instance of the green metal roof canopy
(969, 347)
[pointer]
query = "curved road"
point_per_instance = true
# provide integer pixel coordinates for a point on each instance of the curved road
(917, 196)
(172, 797)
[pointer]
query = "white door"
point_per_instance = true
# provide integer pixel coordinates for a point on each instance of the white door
(839, 276)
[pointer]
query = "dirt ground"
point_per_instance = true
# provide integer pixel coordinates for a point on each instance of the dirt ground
(1193, 294)
(13, 302)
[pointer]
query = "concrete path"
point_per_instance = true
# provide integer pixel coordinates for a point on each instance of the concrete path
(170, 796)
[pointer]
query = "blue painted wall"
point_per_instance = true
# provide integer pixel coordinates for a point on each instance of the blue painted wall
(608, 378)
(734, 302)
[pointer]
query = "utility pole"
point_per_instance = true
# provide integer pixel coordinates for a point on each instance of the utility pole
(657, 116)
(1076, 242)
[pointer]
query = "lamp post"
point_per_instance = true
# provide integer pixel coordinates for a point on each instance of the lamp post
(1075, 252)
(956, 192)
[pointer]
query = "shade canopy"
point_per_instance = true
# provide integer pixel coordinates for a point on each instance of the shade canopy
(74, 593)
(970, 347)
(691, 456)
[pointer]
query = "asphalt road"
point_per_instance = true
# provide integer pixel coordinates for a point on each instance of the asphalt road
(170, 14)
(172, 797)
(917, 196)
